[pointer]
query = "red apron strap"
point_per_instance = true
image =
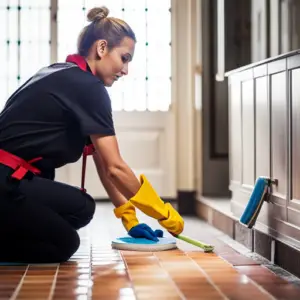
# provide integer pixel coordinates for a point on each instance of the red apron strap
(83, 172)
(88, 150)
(18, 164)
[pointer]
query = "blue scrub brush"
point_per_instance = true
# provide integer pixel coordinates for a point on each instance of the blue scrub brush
(260, 193)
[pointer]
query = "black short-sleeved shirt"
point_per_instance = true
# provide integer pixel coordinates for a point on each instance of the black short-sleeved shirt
(53, 114)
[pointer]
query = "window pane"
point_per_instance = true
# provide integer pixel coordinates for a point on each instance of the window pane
(70, 21)
(34, 37)
(159, 66)
(24, 42)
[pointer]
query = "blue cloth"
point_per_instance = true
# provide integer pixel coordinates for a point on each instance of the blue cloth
(144, 231)
(143, 241)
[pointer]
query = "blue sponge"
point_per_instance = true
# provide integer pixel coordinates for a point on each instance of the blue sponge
(255, 202)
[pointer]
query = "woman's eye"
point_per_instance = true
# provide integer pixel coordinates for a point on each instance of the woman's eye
(124, 59)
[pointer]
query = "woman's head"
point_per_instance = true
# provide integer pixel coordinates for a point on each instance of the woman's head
(108, 45)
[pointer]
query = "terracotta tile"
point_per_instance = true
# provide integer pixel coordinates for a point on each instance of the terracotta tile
(260, 274)
(11, 276)
(47, 267)
(239, 259)
(283, 291)
(275, 285)
(6, 293)
(136, 253)
(5, 273)
(234, 293)
(32, 296)
(158, 295)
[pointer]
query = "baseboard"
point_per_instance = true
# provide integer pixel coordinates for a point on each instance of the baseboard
(282, 254)
(186, 201)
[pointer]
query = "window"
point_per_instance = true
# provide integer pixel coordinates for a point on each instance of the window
(24, 42)
(148, 84)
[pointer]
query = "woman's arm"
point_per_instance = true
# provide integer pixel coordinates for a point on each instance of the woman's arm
(115, 196)
(124, 208)
(142, 195)
(114, 168)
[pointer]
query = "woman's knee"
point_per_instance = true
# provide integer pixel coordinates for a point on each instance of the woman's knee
(86, 213)
(68, 247)
(89, 209)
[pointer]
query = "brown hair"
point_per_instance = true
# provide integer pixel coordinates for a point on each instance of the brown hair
(111, 29)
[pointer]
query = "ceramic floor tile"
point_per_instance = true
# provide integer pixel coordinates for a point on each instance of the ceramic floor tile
(96, 271)
(239, 259)
(275, 285)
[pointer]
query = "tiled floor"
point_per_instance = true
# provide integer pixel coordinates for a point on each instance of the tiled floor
(98, 272)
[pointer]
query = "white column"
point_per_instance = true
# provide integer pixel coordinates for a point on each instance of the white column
(185, 37)
(53, 30)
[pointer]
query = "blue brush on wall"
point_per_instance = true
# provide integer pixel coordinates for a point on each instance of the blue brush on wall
(260, 193)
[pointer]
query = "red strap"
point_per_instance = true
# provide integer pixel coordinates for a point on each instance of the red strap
(88, 150)
(18, 164)
(83, 168)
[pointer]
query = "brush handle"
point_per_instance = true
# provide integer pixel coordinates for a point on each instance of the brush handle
(205, 247)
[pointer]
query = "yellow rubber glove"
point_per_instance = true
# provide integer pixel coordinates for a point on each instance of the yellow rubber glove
(127, 214)
(147, 200)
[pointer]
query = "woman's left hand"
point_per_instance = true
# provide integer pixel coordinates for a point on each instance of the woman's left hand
(144, 231)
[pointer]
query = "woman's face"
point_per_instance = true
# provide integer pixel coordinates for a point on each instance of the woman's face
(114, 63)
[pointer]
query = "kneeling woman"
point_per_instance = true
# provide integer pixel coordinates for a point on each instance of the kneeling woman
(59, 114)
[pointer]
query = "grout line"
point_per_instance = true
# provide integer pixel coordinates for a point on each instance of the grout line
(209, 280)
(128, 273)
(90, 289)
(260, 288)
(170, 278)
(18, 288)
(52, 290)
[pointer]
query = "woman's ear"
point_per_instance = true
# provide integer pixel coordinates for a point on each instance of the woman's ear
(101, 48)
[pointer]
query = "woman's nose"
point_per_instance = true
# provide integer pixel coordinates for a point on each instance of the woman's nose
(125, 70)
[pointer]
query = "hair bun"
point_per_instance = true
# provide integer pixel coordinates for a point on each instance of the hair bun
(97, 13)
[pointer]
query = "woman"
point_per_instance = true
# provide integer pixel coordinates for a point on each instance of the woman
(61, 112)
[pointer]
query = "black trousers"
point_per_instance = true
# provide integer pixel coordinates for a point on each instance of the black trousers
(39, 219)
